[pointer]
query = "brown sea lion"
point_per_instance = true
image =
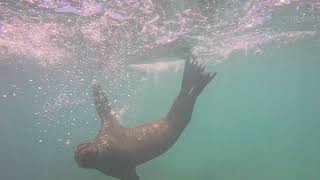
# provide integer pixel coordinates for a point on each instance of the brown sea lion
(118, 150)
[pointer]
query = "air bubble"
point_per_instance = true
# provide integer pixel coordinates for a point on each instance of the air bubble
(68, 142)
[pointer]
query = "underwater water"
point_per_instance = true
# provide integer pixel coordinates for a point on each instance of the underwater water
(258, 119)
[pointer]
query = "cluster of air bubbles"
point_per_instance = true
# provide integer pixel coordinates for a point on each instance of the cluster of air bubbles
(68, 104)
(62, 116)
(18, 90)
(12, 92)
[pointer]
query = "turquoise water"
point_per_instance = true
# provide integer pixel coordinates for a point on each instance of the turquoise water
(259, 119)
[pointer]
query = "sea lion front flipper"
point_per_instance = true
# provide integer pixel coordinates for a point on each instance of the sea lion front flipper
(103, 107)
(100, 100)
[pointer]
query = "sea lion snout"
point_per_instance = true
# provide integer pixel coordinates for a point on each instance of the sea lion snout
(86, 154)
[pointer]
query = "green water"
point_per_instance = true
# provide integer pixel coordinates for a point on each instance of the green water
(258, 120)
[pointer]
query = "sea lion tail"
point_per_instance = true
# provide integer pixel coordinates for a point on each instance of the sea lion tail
(194, 78)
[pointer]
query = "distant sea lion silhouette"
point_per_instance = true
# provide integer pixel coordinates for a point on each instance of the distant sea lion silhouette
(117, 150)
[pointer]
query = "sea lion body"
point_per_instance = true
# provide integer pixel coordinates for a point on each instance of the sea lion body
(117, 150)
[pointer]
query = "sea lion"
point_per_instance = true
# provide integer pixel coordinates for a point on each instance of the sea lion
(117, 150)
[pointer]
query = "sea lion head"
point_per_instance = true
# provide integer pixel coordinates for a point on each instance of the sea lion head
(86, 155)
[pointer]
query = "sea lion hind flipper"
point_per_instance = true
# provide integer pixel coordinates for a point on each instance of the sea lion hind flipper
(100, 100)
(194, 81)
(194, 78)
(203, 82)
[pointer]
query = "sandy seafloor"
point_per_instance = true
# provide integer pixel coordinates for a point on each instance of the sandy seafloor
(259, 119)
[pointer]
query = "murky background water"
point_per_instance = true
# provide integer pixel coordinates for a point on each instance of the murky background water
(258, 120)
